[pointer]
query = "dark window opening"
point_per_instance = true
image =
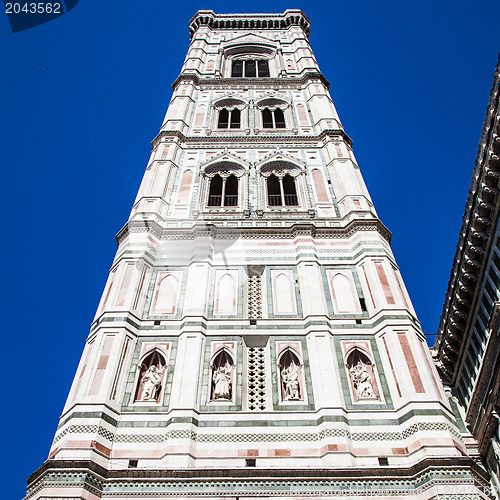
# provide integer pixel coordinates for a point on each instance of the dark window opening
(237, 69)
(223, 118)
(267, 118)
(362, 303)
(229, 119)
(289, 190)
(215, 192)
(231, 192)
(250, 69)
(273, 119)
(235, 118)
(279, 118)
(263, 67)
(273, 191)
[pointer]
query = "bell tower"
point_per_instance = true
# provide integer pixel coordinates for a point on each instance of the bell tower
(255, 337)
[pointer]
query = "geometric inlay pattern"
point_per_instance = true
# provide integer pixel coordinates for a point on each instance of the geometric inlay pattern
(255, 437)
(256, 378)
(254, 297)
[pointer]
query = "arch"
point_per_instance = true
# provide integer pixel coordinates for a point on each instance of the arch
(361, 375)
(273, 191)
(166, 295)
(222, 370)
(343, 294)
(235, 118)
(279, 118)
(290, 369)
(225, 301)
(151, 375)
(267, 118)
(223, 121)
(284, 296)
(289, 191)
(231, 191)
(215, 191)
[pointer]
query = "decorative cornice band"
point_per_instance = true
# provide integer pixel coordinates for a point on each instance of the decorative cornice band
(250, 82)
(474, 244)
(254, 139)
(215, 231)
(208, 18)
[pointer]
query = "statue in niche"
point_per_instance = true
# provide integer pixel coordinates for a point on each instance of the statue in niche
(222, 377)
(290, 376)
(151, 381)
(150, 378)
(222, 382)
(362, 381)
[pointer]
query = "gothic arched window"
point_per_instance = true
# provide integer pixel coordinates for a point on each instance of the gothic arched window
(281, 191)
(223, 191)
(149, 384)
(273, 119)
(221, 386)
(290, 369)
(249, 68)
(229, 119)
(361, 375)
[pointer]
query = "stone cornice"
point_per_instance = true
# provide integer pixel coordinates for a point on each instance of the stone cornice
(387, 477)
(294, 82)
(251, 139)
(474, 244)
(219, 231)
(208, 18)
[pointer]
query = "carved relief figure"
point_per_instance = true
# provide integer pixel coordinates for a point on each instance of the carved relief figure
(290, 376)
(362, 376)
(222, 377)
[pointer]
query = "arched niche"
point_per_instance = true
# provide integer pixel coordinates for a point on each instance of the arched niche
(222, 376)
(343, 294)
(167, 292)
(149, 384)
(291, 376)
(361, 375)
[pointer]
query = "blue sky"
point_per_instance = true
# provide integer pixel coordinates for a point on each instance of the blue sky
(83, 96)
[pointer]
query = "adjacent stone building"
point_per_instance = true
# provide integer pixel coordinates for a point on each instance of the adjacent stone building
(255, 338)
(467, 344)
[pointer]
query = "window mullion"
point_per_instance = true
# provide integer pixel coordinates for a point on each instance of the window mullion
(282, 191)
(222, 201)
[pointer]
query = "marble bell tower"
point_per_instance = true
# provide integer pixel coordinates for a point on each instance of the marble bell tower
(255, 337)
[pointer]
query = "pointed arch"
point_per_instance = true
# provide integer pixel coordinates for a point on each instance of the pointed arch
(151, 375)
(362, 378)
(291, 375)
(342, 292)
(222, 373)
(225, 297)
(167, 293)
(284, 292)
